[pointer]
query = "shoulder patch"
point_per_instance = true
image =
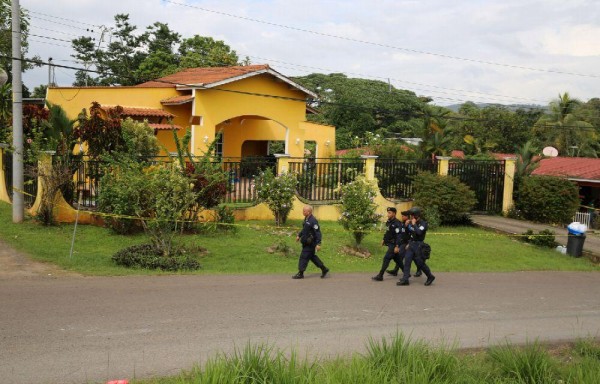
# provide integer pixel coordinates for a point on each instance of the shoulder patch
(397, 230)
(422, 228)
(316, 226)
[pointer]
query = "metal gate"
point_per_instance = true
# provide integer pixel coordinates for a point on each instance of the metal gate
(395, 177)
(485, 178)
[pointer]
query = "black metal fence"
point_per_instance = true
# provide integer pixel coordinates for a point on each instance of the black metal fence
(241, 174)
(319, 179)
(395, 177)
(30, 182)
(485, 177)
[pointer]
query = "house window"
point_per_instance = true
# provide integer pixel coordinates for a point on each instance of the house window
(219, 147)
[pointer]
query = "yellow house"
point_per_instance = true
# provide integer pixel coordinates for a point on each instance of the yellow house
(251, 105)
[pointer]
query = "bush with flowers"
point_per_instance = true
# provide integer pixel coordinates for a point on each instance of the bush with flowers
(277, 192)
(358, 209)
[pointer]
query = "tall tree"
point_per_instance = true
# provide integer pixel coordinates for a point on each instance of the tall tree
(6, 37)
(132, 57)
(564, 129)
(355, 106)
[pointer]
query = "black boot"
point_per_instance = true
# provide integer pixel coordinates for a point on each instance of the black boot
(402, 282)
(419, 273)
(392, 272)
(324, 272)
(299, 275)
(429, 280)
(378, 277)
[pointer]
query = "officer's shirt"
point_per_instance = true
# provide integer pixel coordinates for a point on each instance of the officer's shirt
(311, 225)
(393, 234)
(418, 230)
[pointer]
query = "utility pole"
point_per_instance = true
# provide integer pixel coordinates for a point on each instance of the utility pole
(17, 112)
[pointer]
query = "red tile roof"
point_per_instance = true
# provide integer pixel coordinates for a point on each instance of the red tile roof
(164, 127)
(570, 167)
(141, 112)
(200, 76)
(177, 100)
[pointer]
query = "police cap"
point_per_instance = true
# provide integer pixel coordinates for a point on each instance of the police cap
(391, 209)
(405, 213)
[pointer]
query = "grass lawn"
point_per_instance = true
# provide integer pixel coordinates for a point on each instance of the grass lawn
(465, 249)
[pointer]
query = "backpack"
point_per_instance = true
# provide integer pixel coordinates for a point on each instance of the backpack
(425, 251)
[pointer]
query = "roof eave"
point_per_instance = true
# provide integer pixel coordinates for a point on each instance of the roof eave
(185, 87)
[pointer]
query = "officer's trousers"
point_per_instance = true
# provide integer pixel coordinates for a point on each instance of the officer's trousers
(413, 253)
(309, 254)
(390, 255)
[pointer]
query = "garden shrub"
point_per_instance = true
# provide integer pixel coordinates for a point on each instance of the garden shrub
(451, 199)
(146, 256)
(225, 219)
(544, 238)
(358, 209)
(277, 192)
(547, 199)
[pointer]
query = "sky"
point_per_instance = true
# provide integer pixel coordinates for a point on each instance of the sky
(504, 51)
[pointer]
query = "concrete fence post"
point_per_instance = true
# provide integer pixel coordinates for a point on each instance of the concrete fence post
(443, 164)
(4, 194)
(509, 183)
(369, 166)
(283, 163)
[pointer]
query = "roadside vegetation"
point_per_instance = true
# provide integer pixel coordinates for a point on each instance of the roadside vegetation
(401, 360)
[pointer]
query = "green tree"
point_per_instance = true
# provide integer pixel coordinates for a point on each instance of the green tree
(6, 38)
(277, 192)
(203, 51)
(358, 209)
(565, 130)
(356, 106)
(132, 58)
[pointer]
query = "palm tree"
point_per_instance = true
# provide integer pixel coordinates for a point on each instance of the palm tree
(563, 129)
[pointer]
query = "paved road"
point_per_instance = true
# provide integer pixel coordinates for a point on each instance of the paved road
(512, 226)
(73, 329)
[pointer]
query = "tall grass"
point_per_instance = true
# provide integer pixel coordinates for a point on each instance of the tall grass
(399, 360)
(528, 365)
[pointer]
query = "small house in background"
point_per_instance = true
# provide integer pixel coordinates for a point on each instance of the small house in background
(584, 171)
(252, 106)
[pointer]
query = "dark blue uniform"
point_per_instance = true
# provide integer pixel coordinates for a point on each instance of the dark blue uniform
(417, 234)
(392, 238)
(310, 237)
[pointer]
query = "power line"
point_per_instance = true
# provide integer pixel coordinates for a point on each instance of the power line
(381, 44)
(63, 24)
(63, 18)
(306, 100)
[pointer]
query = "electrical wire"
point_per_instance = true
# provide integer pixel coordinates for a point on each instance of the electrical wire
(256, 94)
(381, 44)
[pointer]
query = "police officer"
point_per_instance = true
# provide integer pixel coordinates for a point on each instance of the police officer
(417, 228)
(391, 239)
(404, 237)
(310, 238)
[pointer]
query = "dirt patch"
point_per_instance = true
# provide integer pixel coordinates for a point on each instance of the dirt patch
(363, 253)
(14, 264)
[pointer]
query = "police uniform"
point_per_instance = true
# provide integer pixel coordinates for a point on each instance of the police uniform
(310, 237)
(404, 238)
(417, 234)
(392, 238)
